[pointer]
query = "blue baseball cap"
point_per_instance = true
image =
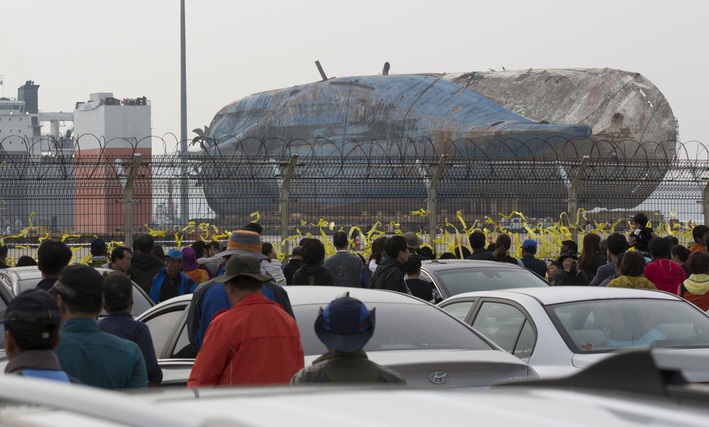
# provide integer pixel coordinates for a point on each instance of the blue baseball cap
(529, 243)
(345, 324)
(175, 254)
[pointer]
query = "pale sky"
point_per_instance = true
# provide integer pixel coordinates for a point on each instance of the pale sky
(235, 48)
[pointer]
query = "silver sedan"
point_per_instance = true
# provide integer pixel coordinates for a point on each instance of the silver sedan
(559, 330)
(418, 340)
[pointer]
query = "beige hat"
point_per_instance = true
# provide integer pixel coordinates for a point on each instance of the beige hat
(412, 240)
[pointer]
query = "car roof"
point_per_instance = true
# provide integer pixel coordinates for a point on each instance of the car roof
(30, 273)
(300, 295)
(561, 294)
(572, 401)
(452, 264)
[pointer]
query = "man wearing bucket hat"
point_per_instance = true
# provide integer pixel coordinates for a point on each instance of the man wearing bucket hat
(191, 267)
(210, 297)
(414, 242)
(345, 326)
(170, 281)
(254, 341)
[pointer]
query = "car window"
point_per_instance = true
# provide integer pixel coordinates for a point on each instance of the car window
(184, 349)
(459, 310)
(25, 284)
(161, 327)
(399, 327)
(607, 325)
(437, 295)
(525, 343)
(460, 280)
(504, 324)
(140, 302)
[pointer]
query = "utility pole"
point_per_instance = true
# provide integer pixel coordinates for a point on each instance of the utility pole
(128, 200)
(284, 200)
(573, 201)
(432, 199)
(184, 207)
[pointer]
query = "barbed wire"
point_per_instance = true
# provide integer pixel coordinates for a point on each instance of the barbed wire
(92, 157)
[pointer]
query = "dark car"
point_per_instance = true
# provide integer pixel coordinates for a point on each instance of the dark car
(455, 276)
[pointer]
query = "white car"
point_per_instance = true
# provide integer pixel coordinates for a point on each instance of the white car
(559, 330)
(414, 338)
(18, 279)
(648, 395)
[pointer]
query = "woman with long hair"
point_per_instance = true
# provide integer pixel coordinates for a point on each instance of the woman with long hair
(591, 256)
(502, 247)
(377, 252)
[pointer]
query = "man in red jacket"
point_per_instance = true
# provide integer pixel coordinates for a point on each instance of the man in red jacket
(253, 342)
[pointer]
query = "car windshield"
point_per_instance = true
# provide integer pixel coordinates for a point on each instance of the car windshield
(607, 325)
(468, 279)
(399, 327)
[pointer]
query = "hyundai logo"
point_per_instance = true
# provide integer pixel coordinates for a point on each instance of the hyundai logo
(438, 377)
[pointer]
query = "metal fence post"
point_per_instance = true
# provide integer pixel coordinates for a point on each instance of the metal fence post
(283, 202)
(128, 200)
(433, 198)
(705, 203)
(573, 206)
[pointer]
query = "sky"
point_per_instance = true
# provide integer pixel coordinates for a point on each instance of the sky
(72, 48)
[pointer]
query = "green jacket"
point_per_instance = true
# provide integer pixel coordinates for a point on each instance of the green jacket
(337, 367)
(98, 358)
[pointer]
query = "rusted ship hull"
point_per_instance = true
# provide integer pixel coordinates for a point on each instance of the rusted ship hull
(522, 115)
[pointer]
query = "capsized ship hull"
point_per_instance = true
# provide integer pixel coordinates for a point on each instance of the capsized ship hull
(406, 118)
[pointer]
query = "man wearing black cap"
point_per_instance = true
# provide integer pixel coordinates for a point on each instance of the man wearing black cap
(254, 341)
(95, 357)
(345, 326)
(32, 322)
(98, 253)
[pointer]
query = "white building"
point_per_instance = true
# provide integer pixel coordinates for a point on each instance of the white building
(111, 123)
(108, 132)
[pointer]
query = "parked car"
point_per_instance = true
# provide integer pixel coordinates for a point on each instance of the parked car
(18, 279)
(418, 340)
(559, 330)
(645, 395)
(454, 276)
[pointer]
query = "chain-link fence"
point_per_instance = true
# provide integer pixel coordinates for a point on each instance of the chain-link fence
(420, 185)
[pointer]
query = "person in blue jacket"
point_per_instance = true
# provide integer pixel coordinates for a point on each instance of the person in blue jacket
(171, 281)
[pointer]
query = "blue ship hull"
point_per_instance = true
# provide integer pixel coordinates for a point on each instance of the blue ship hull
(400, 119)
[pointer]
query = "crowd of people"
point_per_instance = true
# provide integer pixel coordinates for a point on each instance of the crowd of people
(240, 320)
